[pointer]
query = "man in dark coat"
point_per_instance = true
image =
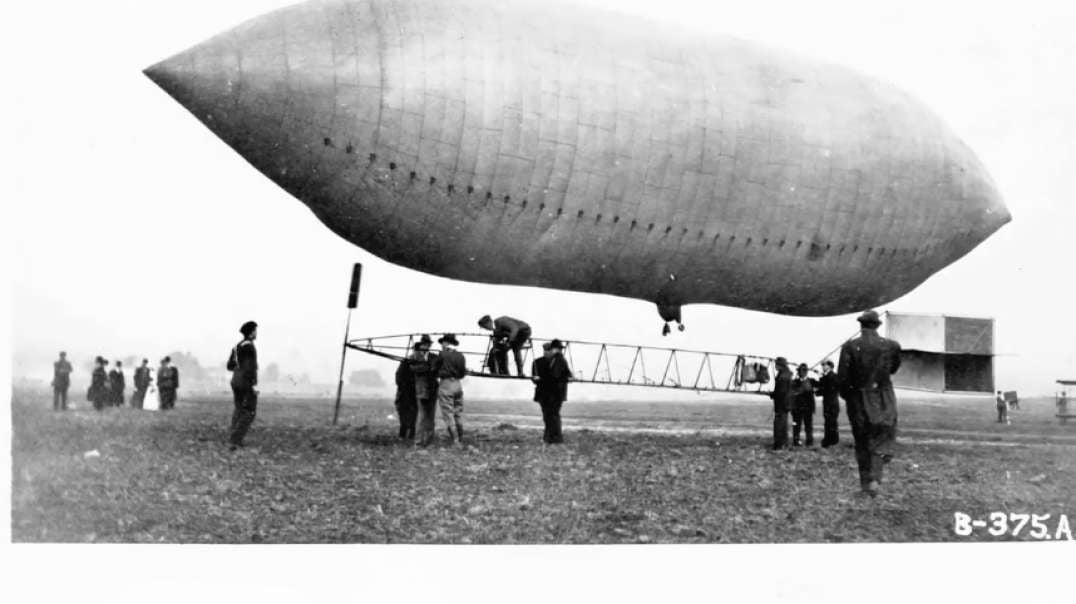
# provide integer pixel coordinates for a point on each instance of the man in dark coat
(782, 403)
(61, 381)
(866, 364)
(167, 383)
(117, 383)
(406, 403)
(423, 368)
(451, 368)
(831, 404)
(141, 383)
(550, 374)
(98, 392)
(803, 406)
(243, 364)
(515, 332)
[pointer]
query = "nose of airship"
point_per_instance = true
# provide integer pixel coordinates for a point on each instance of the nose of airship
(977, 208)
(205, 79)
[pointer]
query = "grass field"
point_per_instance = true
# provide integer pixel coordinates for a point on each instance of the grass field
(629, 473)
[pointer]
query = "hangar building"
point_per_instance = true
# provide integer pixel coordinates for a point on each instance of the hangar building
(942, 353)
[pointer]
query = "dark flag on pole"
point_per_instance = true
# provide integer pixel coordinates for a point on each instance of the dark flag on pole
(353, 295)
(352, 302)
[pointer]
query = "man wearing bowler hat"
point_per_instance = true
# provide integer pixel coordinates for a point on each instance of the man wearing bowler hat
(243, 363)
(863, 375)
(451, 368)
(550, 374)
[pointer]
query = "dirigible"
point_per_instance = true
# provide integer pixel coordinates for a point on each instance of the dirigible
(559, 146)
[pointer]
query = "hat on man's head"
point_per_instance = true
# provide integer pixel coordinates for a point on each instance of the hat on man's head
(780, 361)
(425, 339)
(547, 346)
(485, 319)
(99, 360)
(802, 366)
(869, 318)
(449, 338)
(248, 328)
(145, 360)
(556, 344)
(166, 360)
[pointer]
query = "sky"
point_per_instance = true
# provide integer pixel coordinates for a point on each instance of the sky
(136, 231)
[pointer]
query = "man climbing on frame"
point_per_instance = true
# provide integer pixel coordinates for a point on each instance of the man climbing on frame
(516, 332)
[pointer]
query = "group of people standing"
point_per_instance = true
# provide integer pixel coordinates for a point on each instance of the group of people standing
(863, 381)
(796, 396)
(107, 386)
(426, 381)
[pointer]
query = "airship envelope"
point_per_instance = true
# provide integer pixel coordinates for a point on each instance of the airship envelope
(555, 146)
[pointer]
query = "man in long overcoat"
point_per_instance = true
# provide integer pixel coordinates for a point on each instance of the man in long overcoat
(142, 381)
(406, 403)
(866, 364)
(803, 406)
(831, 404)
(782, 403)
(550, 375)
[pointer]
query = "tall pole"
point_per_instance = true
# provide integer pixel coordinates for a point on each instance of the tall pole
(352, 302)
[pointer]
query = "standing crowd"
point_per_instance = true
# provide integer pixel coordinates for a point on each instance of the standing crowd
(107, 386)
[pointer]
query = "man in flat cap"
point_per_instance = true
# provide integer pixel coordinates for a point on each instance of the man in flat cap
(61, 381)
(451, 368)
(863, 375)
(243, 363)
(142, 381)
(514, 332)
(782, 403)
(167, 384)
(423, 368)
(550, 374)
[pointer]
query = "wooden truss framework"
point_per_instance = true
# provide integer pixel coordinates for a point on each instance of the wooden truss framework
(606, 363)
